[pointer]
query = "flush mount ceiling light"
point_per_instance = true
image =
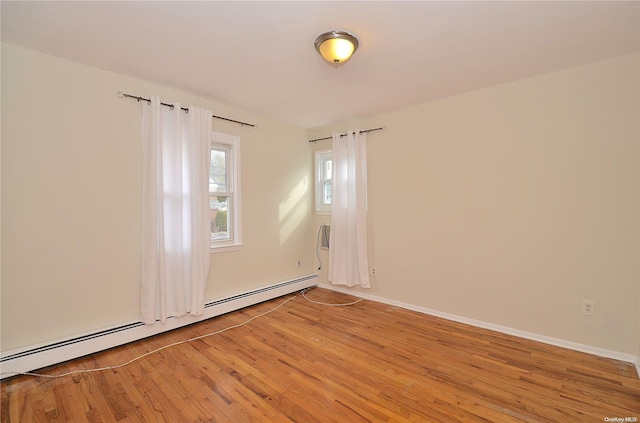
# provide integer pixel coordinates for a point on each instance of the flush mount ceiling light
(336, 47)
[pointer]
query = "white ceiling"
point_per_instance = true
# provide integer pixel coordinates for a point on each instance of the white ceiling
(260, 55)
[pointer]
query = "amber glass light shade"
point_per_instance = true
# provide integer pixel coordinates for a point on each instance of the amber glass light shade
(336, 47)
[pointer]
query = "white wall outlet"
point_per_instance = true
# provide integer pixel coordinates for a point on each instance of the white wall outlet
(373, 271)
(299, 263)
(588, 307)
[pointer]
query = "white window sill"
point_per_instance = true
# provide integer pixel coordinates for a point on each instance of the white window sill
(226, 248)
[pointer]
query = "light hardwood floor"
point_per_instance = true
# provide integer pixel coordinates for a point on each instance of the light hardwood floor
(304, 362)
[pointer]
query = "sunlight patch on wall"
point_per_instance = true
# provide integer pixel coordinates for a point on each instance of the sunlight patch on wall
(293, 210)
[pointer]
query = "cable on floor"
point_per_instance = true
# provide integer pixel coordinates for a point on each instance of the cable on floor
(119, 366)
(328, 304)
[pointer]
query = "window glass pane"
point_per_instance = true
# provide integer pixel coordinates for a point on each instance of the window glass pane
(326, 191)
(327, 169)
(323, 181)
(220, 213)
(218, 171)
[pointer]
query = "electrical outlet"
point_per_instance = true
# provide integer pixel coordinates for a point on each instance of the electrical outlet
(373, 271)
(299, 263)
(588, 307)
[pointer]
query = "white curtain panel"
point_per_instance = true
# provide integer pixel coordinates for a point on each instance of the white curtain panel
(348, 263)
(175, 210)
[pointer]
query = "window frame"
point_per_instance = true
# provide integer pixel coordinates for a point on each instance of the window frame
(230, 143)
(321, 157)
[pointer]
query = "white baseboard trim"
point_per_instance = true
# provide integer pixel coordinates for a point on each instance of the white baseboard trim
(35, 357)
(600, 352)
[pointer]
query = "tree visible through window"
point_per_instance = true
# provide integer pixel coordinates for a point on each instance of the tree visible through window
(219, 194)
(224, 191)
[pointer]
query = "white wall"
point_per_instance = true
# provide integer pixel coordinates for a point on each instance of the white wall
(71, 193)
(507, 205)
(512, 204)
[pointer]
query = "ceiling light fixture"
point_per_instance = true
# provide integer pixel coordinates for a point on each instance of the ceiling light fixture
(336, 47)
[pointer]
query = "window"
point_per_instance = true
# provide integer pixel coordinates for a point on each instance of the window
(224, 192)
(324, 184)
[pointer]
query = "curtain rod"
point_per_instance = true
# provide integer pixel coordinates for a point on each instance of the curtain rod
(364, 131)
(125, 95)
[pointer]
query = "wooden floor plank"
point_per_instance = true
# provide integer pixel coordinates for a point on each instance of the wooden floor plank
(304, 362)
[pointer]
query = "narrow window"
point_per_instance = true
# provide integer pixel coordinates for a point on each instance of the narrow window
(324, 182)
(224, 192)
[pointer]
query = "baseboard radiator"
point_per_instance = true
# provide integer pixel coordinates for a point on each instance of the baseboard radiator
(29, 359)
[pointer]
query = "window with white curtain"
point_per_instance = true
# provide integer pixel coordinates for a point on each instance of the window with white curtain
(224, 192)
(324, 182)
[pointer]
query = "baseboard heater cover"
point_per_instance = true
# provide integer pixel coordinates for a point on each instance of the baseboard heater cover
(33, 358)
